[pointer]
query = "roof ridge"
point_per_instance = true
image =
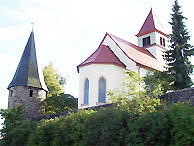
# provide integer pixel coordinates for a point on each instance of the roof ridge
(108, 53)
(128, 49)
(141, 48)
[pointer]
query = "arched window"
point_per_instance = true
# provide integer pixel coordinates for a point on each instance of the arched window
(86, 91)
(102, 90)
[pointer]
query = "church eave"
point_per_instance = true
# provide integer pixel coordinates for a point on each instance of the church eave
(102, 63)
(154, 30)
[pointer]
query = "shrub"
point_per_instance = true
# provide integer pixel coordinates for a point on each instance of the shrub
(113, 126)
(182, 118)
(15, 131)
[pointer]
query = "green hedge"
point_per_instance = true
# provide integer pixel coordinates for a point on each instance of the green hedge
(112, 126)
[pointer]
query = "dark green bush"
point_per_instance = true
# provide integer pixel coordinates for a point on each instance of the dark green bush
(59, 103)
(15, 132)
(182, 118)
(112, 126)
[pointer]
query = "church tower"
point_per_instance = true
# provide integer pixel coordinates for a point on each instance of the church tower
(153, 37)
(27, 86)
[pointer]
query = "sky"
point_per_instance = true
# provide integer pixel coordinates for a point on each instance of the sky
(68, 31)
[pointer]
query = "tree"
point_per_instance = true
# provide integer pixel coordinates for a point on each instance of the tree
(57, 101)
(178, 56)
(158, 83)
(134, 98)
(133, 87)
(61, 103)
(53, 80)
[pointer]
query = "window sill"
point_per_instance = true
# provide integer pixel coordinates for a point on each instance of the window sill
(84, 104)
(100, 103)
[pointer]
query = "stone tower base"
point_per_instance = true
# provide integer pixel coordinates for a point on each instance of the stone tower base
(30, 97)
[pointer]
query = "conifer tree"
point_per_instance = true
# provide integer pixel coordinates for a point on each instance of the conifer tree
(180, 50)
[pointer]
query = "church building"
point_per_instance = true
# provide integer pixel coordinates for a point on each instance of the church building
(104, 70)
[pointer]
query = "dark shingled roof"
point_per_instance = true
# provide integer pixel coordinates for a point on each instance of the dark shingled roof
(27, 73)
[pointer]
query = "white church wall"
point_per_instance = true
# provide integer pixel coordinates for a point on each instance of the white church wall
(158, 35)
(157, 52)
(115, 78)
(142, 72)
(113, 75)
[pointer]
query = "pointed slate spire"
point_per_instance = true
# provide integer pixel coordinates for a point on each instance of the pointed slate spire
(27, 73)
(151, 24)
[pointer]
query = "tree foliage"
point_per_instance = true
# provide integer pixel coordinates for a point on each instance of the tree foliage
(158, 83)
(15, 131)
(134, 97)
(60, 103)
(53, 80)
(57, 101)
(133, 87)
(178, 56)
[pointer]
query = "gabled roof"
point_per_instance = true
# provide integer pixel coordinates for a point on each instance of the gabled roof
(139, 55)
(27, 73)
(151, 24)
(103, 55)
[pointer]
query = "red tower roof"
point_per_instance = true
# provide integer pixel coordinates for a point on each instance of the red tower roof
(151, 24)
(103, 55)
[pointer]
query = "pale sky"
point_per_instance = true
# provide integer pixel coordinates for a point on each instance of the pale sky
(68, 31)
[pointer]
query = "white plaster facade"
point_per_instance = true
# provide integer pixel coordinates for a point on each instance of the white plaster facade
(113, 75)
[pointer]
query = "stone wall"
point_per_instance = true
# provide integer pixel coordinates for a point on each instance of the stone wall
(95, 108)
(183, 95)
(20, 95)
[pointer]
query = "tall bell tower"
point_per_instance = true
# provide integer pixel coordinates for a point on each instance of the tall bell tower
(27, 86)
(153, 37)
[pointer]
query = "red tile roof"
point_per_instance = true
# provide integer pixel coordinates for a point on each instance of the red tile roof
(103, 55)
(137, 54)
(151, 24)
